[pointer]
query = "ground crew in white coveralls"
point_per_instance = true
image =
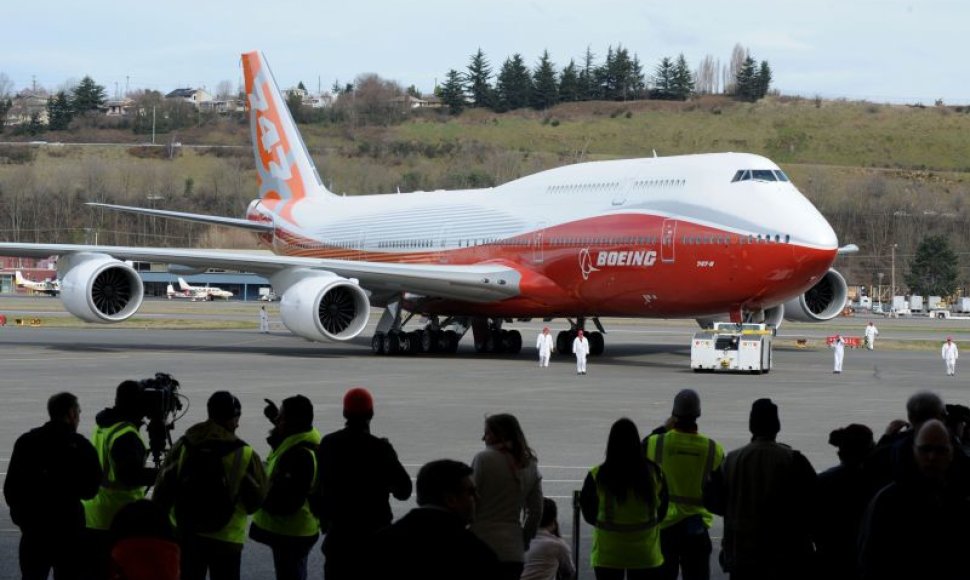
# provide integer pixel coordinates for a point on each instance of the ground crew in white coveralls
(838, 345)
(544, 346)
(950, 355)
(581, 349)
(871, 333)
(263, 320)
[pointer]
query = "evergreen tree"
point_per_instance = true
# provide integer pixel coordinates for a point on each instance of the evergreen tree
(622, 75)
(479, 73)
(683, 81)
(569, 84)
(764, 79)
(336, 88)
(301, 86)
(588, 88)
(513, 88)
(59, 112)
(453, 92)
(605, 81)
(545, 90)
(663, 80)
(637, 82)
(746, 84)
(87, 96)
(933, 271)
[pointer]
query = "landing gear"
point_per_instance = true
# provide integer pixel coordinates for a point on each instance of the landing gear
(391, 338)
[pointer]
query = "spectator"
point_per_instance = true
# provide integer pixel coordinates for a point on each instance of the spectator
(842, 499)
(625, 499)
(759, 489)
(916, 528)
(144, 544)
(506, 475)
(358, 472)
(212, 480)
(122, 453)
(687, 459)
(432, 541)
(893, 457)
(285, 522)
(549, 556)
(52, 468)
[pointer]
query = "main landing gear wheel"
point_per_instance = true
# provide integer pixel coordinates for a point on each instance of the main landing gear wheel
(377, 343)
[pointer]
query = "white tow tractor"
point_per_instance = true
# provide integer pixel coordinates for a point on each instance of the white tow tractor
(729, 347)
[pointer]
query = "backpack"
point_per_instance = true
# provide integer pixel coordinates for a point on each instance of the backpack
(204, 500)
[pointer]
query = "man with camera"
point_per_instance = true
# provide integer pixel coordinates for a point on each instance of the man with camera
(212, 480)
(122, 453)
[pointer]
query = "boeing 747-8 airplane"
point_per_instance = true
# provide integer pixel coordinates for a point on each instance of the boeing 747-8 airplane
(718, 235)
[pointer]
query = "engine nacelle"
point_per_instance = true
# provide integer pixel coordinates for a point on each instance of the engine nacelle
(325, 306)
(98, 288)
(823, 301)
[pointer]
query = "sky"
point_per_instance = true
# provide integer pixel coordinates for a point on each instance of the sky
(878, 50)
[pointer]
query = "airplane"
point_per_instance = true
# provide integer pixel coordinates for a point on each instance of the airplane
(49, 287)
(715, 236)
(203, 292)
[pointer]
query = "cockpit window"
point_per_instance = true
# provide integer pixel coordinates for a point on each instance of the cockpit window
(759, 175)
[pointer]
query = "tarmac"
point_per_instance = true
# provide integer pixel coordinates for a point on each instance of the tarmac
(432, 406)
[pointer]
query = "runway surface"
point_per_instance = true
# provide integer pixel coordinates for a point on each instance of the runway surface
(432, 406)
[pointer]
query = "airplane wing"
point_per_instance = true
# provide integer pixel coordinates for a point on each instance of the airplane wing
(486, 282)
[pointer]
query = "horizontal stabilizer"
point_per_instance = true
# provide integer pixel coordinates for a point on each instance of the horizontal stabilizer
(192, 217)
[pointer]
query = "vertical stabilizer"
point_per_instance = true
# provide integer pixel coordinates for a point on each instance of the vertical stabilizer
(285, 170)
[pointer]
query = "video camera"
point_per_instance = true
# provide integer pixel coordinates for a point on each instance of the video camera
(160, 402)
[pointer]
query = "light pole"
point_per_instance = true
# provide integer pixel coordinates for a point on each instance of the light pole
(892, 295)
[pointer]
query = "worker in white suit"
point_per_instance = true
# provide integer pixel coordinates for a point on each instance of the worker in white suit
(581, 350)
(544, 346)
(263, 320)
(838, 345)
(871, 333)
(950, 355)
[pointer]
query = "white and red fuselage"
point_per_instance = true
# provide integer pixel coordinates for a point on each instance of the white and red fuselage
(654, 237)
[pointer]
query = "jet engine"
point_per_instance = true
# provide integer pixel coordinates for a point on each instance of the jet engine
(325, 306)
(823, 301)
(98, 288)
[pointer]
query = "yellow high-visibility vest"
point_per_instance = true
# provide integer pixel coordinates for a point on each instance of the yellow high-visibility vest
(301, 523)
(100, 510)
(627, 533)
(687, 461)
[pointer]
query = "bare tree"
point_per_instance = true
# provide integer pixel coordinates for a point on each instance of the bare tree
(705, 78)
(224, 90)
(730, 74)
(6, 86)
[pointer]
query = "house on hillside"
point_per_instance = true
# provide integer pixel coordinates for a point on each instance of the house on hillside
(26, 104)
(222, 106)
(117, 107)
(307, 99)
(410, 102)
(193, 96)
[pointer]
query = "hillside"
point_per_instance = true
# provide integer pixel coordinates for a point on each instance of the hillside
(880, 173)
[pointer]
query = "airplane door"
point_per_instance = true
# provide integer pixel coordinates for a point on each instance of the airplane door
(667, 239)
(538, 243)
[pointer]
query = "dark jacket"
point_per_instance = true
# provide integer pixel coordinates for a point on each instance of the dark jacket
(51, 470)
(843, 495)
(357, 473)
(915, 529)
(765, 491)
(252, 488)
(432, 544)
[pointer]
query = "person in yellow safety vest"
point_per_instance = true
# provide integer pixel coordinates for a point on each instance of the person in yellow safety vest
(122, 453)
(687, 459)
(625, 499)
(217, 552)
(285, 522)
